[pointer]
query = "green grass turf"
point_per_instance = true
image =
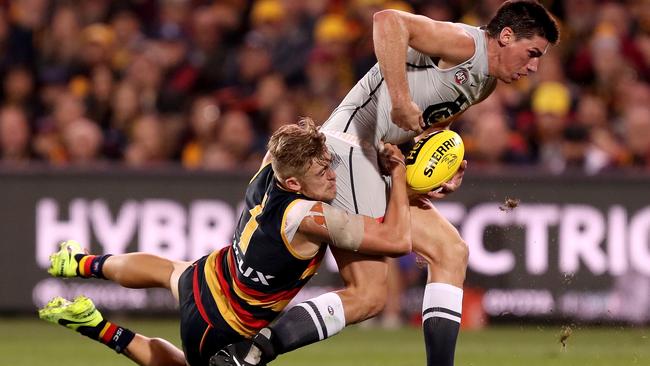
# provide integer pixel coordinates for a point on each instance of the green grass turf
(29, 342)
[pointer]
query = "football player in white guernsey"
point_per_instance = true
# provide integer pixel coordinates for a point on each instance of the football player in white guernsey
(428, 73)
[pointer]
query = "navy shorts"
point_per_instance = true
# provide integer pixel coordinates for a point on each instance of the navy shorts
(202, 336)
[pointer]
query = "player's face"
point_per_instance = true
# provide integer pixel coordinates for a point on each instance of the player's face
(520, 57)
(319, 182)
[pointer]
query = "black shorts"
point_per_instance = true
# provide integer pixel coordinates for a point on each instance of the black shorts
(202, 337)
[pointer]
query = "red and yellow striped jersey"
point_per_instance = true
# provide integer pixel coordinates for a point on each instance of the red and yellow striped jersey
(252, 280)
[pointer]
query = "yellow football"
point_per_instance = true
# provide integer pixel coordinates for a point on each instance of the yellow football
(434, 160)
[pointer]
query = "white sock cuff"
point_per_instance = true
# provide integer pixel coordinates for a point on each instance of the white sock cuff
(442, 300)
(327, 312)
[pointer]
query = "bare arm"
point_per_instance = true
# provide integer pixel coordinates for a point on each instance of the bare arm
(393, 32)
(391, 237)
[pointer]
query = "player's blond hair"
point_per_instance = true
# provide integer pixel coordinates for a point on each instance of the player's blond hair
(295, 147)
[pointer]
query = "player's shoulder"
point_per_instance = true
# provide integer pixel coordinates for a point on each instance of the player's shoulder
(259, 185)
(456, 29)
(302, 215)
(471, 50)
(467, 35)
(453, 42)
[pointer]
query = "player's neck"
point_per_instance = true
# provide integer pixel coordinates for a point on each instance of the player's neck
(492, 55)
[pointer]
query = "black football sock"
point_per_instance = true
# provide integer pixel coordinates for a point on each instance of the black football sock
(441, 313)
(112, 335)
(306, 323)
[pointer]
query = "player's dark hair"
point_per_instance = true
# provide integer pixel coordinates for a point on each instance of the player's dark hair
(295, 147)
(527, 18)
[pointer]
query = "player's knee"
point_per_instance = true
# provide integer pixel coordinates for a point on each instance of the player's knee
(439, 247)
(374, 305)
(455, 254)
(371, 300)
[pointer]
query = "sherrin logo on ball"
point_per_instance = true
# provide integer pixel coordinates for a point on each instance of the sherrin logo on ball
(434, 160)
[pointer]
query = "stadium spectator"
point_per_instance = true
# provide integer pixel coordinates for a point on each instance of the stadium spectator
(19, 89)
(82, 141)
(439, 9)
(217, 157)
(126, 108)
(210, 51)
(4, 35)
(269, 92)
(238, 138)
(629, 93)
(636, 127)
(178, 74)
(282, 113)
(575, 148)
(60, 46)
(146, 75)
(48, 143)
(580, 18)
(128, 37)
(619, 17)
(203, 122)
(362, 52)
(322, 90)
(97, 48)
(99, 94)
(15, 135)
(26, 18)
(94, 11)
(147, 142)
(287, 36)
(551, 103)
(252, 61)
(606, 150)
(333, 36)
(491, 142)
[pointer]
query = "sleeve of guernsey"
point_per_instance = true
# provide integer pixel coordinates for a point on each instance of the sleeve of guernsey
(295, 212)
(416, 58)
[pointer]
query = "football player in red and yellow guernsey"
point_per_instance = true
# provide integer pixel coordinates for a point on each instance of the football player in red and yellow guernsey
(232, 293)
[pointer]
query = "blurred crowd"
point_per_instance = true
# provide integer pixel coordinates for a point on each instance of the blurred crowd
(203, 83)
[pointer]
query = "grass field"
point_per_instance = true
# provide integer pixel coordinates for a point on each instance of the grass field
(27, 342)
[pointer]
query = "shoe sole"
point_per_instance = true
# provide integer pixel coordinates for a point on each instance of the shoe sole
(64, 312)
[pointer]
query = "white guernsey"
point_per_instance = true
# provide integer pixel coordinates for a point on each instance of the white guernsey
(362, 120)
